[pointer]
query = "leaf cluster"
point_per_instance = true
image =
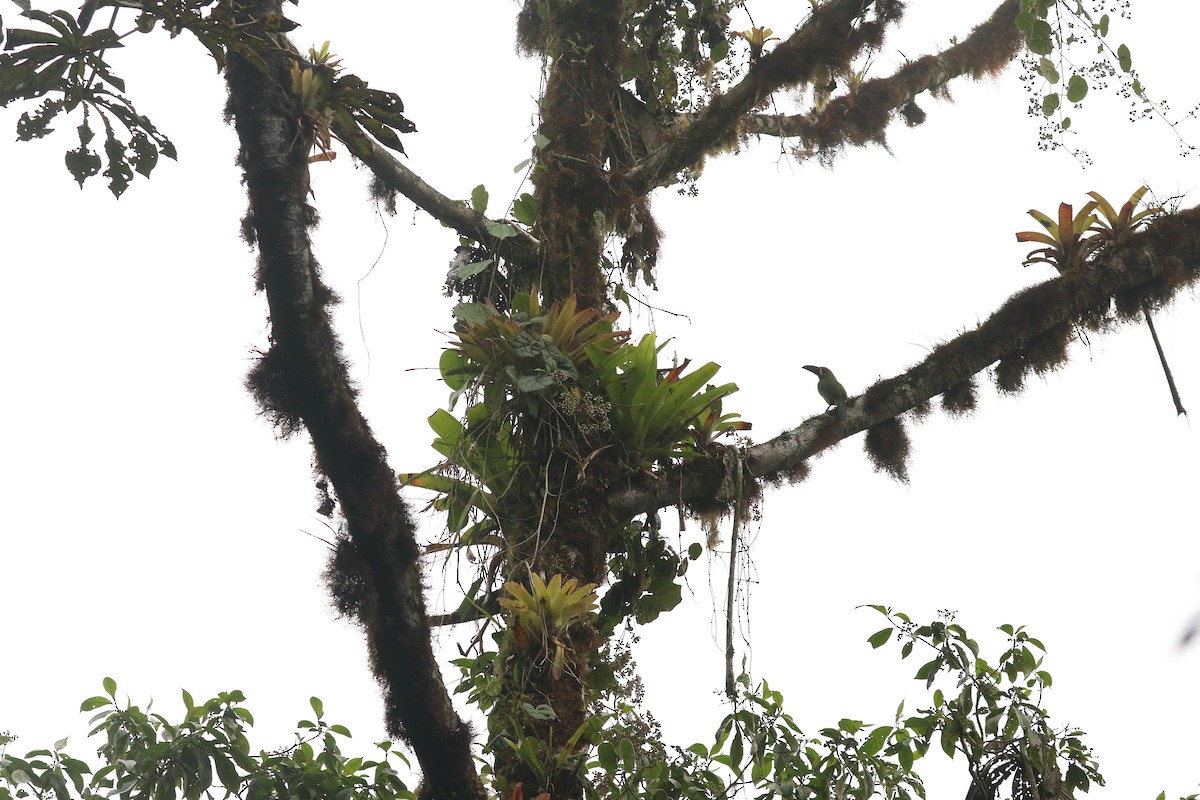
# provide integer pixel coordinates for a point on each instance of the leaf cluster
(523, 369)
(666, 41)
(562, 376)
(67, 63)
(761, 751)
(542, 615)
(1069, 244)
(646, 578)
(994, 714)
(147, 757)
(1053, 30)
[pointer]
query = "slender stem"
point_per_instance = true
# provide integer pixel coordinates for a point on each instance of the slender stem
(1179, 409)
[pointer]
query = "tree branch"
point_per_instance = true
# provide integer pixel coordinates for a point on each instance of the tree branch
(1028, 333)
(522, 248)
(303, 380)
(828, 37)
(863, 115)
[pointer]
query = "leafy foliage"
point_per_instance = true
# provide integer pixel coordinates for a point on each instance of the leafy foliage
(1057, 33)
(557, 397)
(675, 47)
(1116, 227)
(562, 373)
(994, 714)
(1069, 247)
(146, 756)
(68, 64)
(548, 610)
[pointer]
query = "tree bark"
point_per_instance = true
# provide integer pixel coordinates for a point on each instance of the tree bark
(303, 380)
(1025, 335)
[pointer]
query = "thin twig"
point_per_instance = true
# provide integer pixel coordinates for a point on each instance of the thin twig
(1179, 409)
(730, 683)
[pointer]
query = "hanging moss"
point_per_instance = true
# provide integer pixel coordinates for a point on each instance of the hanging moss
(961, 398)
(1010, 374)
(888, 447)
(1048, 352)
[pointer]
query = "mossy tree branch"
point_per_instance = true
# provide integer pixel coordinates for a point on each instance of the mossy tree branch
(830, 37)
(863, 115)
(523, 248)
(1029, 333)
(303, 381)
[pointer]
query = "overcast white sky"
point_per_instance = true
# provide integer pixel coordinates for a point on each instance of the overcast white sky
(156, 532)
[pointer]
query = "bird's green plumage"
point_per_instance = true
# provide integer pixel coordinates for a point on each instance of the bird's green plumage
(830, 389)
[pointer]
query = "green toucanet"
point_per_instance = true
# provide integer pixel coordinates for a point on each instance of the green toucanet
(831, 391)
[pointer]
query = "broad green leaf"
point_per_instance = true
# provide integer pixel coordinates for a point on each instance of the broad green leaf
(110, 686)
(1077, 88)
(525, 209)
(880, 638)
(92, 703)
(453, 368)
(1041, 38)
(1125, 59)
(628, 763)
(479, 199)
(317, 706)
(470, 313)
(474, 268)
(607, 756)
(876, 740)
(928, 670)
(949, 737)
(501, 230)
(1050, 103)
(1048, 71)
(736, 749)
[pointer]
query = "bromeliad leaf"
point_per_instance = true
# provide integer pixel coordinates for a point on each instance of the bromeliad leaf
(1068, 247)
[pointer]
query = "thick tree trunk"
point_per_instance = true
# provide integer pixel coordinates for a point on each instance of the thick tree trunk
(303, 381)
(571, 184)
